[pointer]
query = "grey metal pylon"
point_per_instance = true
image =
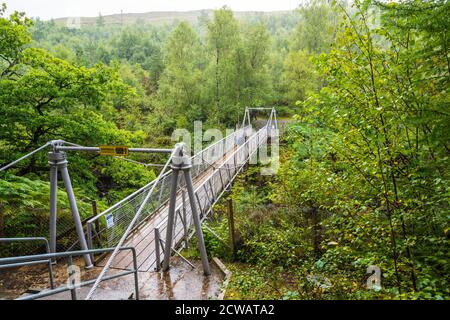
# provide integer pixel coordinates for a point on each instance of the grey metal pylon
(182, 162)
(58, 162)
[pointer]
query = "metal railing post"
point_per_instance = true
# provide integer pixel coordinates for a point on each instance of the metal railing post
(136, 276)
(50, 274)
(50, 262)
(73, 289)
(157, 249)
(90, 243)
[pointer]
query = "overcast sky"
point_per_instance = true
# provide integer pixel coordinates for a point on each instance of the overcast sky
(47, 9)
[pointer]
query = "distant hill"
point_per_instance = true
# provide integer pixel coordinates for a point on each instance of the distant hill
(159, 18)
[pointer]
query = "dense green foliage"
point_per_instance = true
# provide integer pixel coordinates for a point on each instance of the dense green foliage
(364, 178)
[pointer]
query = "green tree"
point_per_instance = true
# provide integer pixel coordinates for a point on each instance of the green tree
(223, 40)
(299, 78)
(315, 34)
(385, 102)
(316, 29)
(135, 45)
(13, 39)
(181, 82)
(254, 87)
(44, 98)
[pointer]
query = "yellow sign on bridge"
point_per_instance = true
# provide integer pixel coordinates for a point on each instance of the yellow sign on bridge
(119, 151)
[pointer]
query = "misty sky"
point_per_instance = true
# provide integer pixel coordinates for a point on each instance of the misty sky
(47, 9)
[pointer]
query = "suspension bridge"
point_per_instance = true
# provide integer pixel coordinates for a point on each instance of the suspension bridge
(141, 232)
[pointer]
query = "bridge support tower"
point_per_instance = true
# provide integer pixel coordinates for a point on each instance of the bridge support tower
(58, 162)
(181, 163)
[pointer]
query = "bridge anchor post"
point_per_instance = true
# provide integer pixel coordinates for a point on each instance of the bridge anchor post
(182, 163)
(58, 162)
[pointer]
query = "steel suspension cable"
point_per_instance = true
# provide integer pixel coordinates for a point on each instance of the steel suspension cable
(25, 157)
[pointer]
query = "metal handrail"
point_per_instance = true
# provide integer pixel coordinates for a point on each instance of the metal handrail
(29, 239)
(196, 190)
(34, 259)
(200, 154)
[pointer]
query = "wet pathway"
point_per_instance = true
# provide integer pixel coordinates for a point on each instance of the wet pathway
(182, 282)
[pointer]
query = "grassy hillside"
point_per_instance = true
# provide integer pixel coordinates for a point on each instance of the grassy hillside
(159, 18)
